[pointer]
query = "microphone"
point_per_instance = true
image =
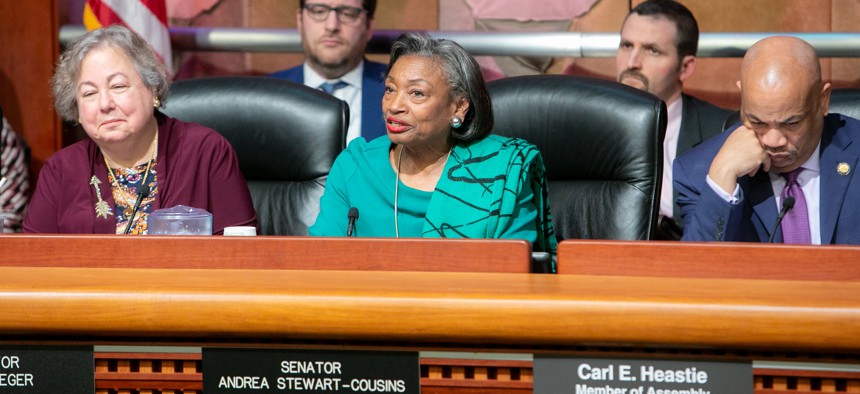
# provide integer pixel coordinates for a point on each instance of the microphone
(141, 194)
(353, 216)
(786, 206)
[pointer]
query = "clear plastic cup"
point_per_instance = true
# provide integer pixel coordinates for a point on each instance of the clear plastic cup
(180, 220)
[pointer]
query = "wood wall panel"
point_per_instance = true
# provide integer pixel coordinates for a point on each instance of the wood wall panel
(846, 72)
(30, 46)
(715, 78)
(28, 53)
(281, 14)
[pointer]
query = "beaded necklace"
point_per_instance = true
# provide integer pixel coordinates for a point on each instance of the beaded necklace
(115, 183)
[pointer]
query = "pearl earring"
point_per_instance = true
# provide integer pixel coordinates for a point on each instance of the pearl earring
(456, 122)
(156, 102)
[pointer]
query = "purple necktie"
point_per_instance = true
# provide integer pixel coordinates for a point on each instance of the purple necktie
(795, 224)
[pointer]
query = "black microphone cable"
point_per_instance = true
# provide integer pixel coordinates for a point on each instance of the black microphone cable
(786, 206)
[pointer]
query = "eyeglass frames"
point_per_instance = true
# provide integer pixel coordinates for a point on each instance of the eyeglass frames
(345, 14)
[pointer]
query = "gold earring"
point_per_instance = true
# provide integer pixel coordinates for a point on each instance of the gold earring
(156, 102)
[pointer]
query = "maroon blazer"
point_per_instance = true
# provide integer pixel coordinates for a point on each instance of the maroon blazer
(196, 167)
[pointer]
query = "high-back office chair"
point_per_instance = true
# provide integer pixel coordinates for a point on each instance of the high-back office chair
(602, 147)
(842, 101)
(286, 137)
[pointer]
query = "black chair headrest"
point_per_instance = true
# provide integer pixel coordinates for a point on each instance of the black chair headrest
(280, 130)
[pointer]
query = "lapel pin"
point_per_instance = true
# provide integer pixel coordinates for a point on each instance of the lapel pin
(102, 207)
(843, 168)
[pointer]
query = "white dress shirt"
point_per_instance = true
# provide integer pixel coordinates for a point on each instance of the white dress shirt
(670, 151)
(350, 93)
(810, 181)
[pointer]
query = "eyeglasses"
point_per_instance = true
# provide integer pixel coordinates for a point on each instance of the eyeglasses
(345, 14)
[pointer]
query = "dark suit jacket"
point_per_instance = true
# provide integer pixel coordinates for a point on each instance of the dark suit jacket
(372, 88)
(700, 120)
(707, 217)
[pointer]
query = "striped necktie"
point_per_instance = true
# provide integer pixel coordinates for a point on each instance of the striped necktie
(330, 88)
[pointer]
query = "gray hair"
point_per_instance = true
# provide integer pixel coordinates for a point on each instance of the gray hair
(149, 67)
(464, 79)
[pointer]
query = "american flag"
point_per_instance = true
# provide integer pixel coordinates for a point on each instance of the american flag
(147, 18)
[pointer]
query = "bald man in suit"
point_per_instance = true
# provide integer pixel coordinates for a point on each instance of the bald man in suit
(734, 186)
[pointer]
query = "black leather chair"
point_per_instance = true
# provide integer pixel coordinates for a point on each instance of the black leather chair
(286, 137)
(602, 147)
(842, 101)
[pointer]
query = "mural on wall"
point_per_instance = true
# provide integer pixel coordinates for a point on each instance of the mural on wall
(511, 15)
(220, 13)
(188, 9)
(459, 15)
(714, 79)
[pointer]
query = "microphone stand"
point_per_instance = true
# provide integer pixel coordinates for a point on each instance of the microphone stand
(786, 206)
(143, 193)
(352, 215)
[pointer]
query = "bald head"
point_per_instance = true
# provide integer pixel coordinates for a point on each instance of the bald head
(783, 99)
(775, 62)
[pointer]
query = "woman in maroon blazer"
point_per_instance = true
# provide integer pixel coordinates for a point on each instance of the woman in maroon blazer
(111, 83)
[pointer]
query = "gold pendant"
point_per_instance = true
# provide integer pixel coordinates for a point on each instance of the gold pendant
(102, 208)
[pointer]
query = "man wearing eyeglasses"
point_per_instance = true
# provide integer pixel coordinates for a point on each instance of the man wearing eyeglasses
(334, 37)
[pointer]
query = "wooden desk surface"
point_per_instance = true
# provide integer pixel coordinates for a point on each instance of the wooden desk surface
(710, 260)
(469, 309)
(267, 252)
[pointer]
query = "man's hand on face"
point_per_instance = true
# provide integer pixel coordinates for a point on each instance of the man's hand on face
(741, 154)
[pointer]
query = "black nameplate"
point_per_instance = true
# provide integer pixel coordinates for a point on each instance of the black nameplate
(560, 375)
(41, 369)
(309, 371)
